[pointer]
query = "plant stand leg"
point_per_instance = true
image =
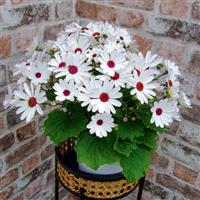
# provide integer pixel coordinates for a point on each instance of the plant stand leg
(81, 194)
(141, 187)
(56, 183)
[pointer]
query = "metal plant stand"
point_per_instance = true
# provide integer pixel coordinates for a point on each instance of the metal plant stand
(90, 186)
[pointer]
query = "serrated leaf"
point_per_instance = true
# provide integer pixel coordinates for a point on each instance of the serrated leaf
(149, 139)
(136, 165)
(94, 151)
(124, 147)
(130, 130)
(60, 127)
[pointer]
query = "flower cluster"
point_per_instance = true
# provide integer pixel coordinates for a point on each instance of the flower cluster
(99, 67)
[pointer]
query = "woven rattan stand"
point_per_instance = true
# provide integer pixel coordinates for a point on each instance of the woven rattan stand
(90, 186)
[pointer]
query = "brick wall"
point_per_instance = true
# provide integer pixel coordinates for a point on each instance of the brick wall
(169, 27)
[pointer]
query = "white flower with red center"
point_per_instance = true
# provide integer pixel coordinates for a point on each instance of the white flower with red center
(120, 77)
(164, 112)
(29, 101)
(171, 67)
(76, 44)
(77, 69)
(143, 87)
(183, 100)
(101, 124)
(112, 45)
(112, 62)
(103, 97)
(173, 85)
(123, 36)
(65, 90)
(93, 54)
(38, 73)
(60, 61)
(20, 68)
(149, 62)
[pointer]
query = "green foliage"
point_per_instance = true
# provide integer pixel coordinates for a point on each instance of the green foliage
(50, 95)
(94, 151)
(124, 147)
(130, 130)
(60, 126)
(136, 165)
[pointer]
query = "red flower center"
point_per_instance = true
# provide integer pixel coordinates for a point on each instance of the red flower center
(73, 69)
(78, 50)
(111, 64)
(84, 28)
(38, 75)
(170, 83)
(104, 97)
(159, 111)
(115, 77)
(96, 34)
(140, 86)
(27, 64)
(121, 38)
(99, 122)
(94, 55)
(66, 93)
(62, 64)
(32, 102)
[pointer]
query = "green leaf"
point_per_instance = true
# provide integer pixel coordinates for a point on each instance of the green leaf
(145, 115)
(50, 95)
(136, 165)
(94, 151)
(149, 139)
(124, 147)
(59, 126)
(130, 130)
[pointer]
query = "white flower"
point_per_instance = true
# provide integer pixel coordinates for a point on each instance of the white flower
(171, 67)
(120, 77)
(164, 112)
(93, 54)
(9, 100)
(184, 101)
(143, 87)
(103, 97)
(29, 100)
(123, 36)
(60, 61)
(65, 90)
(31, 49)
(77, 69)
(112, 45)
(149, 62)
(21, 68)
(173, 85)
(112, 62)
(38, 73)
(101, 124)
(72, 28)
(76, 44)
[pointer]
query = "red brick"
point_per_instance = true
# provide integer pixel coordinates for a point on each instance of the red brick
(172, 130)
(26, 131)
(196, 10)
(129, 18)
(185, 173)
(35, 187)
(198, 91)
(1, 123)
(159, 161)
(30, 163)
(150, 174)
(2, 2)
(192, 114)
(142, 4)
(42, 140)
(174, 7)
(6, 194)
(169, 50)
(174, 185)
(8, 178)
(19, 197)
(24, 39)
(5, 46)
(47, 152)
(95, 11)
(193, 65)
(21, 152)
(21, 1)
(6, 142)
(143, 42)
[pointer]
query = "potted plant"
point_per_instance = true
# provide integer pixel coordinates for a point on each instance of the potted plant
(110, 101)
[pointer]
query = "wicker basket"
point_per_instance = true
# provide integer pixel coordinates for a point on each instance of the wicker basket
(94, 186)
